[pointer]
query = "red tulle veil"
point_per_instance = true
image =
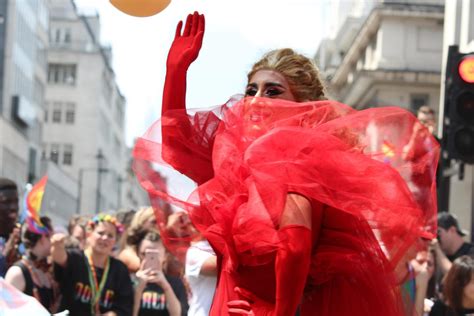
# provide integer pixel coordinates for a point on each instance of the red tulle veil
(374, 170)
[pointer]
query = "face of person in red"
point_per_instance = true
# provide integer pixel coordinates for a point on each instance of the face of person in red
(269, 84)
(102, 238)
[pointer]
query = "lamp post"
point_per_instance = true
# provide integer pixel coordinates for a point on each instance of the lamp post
(120, 180)
(79, 187)
(100, 158)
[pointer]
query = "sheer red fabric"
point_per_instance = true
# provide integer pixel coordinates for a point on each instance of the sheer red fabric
(373, 170)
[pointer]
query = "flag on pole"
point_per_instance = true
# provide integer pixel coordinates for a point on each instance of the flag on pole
(33, 204)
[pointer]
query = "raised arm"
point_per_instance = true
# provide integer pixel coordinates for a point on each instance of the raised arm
(184, 50)
(185, 147)
(58, 250)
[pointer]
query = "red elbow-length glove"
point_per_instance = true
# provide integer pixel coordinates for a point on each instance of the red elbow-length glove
(184, 50)
(291, 271)
(178, 149)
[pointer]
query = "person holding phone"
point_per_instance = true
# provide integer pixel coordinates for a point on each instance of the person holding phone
(156, 293)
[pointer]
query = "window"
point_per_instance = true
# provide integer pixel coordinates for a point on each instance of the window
(62, 74)
(46, 115)
(32, 165)
(57, 35)
(70, 112)
(418, 100)
(67, 154)
(54, 153)
(67, 36)
(56, 115)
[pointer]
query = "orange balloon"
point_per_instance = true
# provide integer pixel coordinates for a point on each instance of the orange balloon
(140, 8)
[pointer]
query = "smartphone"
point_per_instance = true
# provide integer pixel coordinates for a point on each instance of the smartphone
(152, 259)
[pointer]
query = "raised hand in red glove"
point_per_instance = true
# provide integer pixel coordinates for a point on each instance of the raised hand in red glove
(184, 50)
(176, 128)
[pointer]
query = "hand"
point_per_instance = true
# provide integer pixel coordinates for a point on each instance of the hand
(12, 241)
(249, 304)
(179, 224)
(185, 48)
(422, 273)
(239, 307)
(151, 276)
(58, 240)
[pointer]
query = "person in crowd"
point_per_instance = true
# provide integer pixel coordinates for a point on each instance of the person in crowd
(201, 273)
(144, 218)
(9, 232)
(77, 230)
(92, 282)
(450, 243)
(419, 290)
(31, 274)
(458, 290)
(286, 193)
(125, 217)
(426, 116)
(155, 292)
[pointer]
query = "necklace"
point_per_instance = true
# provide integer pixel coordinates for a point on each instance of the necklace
(96, 288)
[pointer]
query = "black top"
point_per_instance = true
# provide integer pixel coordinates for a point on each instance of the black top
(441, 309)
(46, 294)
(466, 249)
(153, 301)
(117, 295)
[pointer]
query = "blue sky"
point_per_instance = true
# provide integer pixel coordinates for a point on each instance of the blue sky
(237, 34)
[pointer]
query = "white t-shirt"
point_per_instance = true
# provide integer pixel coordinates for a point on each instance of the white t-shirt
(202, 286)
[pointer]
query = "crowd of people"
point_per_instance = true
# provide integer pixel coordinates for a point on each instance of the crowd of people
(100, 265)
(304, 206)
(104, 267)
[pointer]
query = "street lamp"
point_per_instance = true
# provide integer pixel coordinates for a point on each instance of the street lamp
(100, 158)
(79, 186)
(120, 180)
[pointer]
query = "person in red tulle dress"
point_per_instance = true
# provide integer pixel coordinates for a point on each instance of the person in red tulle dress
(308, 203)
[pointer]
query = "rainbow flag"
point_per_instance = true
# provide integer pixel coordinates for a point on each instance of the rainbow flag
(33, 204)
(388, 150)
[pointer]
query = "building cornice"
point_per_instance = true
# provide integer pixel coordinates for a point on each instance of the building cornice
(364, 79)
(370, 27)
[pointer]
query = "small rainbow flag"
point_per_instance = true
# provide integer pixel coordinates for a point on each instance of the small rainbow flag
(388, 150)
(33, 203)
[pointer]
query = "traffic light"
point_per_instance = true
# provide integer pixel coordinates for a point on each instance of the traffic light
(459, 106)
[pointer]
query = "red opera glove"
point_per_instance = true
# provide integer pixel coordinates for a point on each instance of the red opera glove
(292, 268)
(178, 134)
(291, 271)
(184, 50)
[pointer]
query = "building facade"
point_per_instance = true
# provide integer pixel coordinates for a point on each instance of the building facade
(84, 110)
(24, 29)
(388, 55)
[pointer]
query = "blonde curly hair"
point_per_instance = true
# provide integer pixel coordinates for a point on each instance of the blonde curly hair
(300, 72)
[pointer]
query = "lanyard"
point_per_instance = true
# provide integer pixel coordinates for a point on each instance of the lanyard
(96, 288)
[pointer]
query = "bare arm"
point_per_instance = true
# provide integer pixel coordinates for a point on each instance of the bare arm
(441, 260)
(209, 267)
(422, 279)
(173, 305)
(15, 277)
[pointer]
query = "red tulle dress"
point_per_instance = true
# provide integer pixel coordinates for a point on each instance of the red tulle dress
(378, 196)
